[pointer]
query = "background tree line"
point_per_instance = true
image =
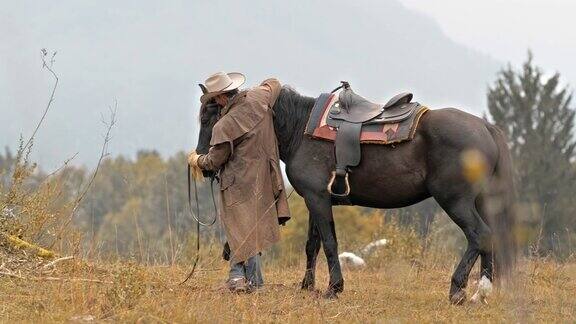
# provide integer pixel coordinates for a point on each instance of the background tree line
(138, 207)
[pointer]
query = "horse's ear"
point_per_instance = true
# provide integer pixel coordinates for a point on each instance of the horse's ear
(203, 88)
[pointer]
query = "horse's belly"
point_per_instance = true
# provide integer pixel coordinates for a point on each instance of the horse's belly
(390, 176)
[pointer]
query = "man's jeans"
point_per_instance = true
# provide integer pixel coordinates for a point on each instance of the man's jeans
(250, 270)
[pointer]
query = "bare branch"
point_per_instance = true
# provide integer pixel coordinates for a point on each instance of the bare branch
(60, 168)
(51, 264)
(103, 153)
(48, 66)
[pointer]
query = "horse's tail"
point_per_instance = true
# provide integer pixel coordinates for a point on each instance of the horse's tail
(499, 206)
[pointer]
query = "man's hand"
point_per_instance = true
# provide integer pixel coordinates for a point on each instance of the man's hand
(193, 158)
(193, 162)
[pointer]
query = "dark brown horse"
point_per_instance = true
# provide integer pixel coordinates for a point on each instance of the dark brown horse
(401, 175)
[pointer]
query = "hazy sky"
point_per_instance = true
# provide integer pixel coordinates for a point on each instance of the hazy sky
(505, 29)
(150, 55)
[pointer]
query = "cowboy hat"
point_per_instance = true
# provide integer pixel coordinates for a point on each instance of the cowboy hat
(221, 82)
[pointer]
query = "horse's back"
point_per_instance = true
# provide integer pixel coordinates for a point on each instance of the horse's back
(398, 175)
(450, 132)
(456, 128)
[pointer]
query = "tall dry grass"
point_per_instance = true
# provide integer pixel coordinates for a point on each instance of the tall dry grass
(395, 290)
(404, 281)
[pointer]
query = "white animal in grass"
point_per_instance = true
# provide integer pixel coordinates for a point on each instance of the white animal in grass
(370, 248)
(351, 260)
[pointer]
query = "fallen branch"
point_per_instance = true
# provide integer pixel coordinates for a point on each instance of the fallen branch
(51, 264)
(10, 274)
(13, 275)
(72, 280)
(18, 243)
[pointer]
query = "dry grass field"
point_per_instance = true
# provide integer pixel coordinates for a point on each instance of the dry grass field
(394, 291)
(404, 282)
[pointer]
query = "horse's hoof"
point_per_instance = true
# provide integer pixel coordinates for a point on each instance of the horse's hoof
(458, 298)
(338, 287)
(307, 285)
(330, 294)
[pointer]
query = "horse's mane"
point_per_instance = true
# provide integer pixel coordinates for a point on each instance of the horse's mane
(291, 112)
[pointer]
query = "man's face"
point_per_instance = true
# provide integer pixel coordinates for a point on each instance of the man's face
(221, 99)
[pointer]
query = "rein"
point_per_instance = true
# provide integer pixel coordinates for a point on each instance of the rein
(196, 217)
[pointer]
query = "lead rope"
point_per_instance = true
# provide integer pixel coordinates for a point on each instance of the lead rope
(197, 218)
(198, 222)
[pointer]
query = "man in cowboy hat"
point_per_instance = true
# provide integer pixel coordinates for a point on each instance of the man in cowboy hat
(244, 150)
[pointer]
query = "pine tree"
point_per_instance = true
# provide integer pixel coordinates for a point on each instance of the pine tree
(535, 112)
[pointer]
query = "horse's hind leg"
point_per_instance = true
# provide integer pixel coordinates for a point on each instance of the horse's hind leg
(487, 256)
(486, 259)
(463, 212)
(312, 249)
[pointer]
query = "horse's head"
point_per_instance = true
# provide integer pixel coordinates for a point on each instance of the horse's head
(291, 112)
(208, 117)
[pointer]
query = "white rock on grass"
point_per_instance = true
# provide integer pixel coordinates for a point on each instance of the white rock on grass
(351, 260)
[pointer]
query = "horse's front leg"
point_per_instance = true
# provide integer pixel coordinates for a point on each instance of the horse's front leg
(320, 208)
(312, 249)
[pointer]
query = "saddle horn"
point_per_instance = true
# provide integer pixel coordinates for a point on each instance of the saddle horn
(344, 84)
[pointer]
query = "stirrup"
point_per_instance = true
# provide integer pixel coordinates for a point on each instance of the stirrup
(331, 182)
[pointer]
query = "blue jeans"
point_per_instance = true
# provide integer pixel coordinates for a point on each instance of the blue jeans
(251, 270)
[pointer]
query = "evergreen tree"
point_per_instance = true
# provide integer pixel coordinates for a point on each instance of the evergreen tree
(535, 112)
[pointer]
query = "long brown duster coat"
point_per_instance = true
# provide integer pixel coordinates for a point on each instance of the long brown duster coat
(245, 150)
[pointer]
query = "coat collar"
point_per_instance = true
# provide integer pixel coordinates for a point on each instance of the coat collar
(236, 99)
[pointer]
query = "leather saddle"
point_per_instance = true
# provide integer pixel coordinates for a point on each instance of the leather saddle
(347, 115)
(354, 108)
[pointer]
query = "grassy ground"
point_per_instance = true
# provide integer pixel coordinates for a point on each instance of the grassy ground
(396, 291)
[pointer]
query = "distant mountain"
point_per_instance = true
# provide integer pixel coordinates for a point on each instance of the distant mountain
(150, 55)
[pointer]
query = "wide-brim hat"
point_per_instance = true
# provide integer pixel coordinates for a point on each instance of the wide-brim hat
(221, 82)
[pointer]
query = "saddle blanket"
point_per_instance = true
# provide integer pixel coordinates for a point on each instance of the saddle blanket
(371, 134)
